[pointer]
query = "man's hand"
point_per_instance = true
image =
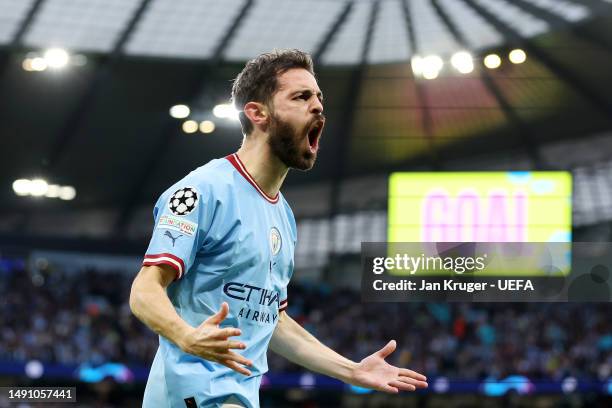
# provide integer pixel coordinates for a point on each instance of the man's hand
(211, 342)
(374, 372)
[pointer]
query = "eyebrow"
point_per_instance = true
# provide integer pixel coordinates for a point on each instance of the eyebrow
(310, 92)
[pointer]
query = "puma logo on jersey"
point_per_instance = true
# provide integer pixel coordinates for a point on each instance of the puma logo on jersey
(169, 235)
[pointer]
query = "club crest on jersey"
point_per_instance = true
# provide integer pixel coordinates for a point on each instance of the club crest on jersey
(275, 241)
(183, 201)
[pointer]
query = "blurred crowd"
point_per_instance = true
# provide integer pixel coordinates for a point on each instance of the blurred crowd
(463, 340)
(70, 318)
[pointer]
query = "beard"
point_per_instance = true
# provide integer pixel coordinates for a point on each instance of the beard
(286, 141)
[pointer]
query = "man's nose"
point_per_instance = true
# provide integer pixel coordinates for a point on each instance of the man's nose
(316, 107)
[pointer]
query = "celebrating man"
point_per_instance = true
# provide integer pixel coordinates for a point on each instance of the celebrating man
(214, 279)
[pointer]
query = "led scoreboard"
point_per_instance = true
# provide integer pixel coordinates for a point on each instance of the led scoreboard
(480, 207)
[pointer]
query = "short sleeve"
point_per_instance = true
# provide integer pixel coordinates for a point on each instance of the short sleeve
(283, 300)
(182, 218)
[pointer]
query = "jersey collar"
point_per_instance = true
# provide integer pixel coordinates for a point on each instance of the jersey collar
(237, 163)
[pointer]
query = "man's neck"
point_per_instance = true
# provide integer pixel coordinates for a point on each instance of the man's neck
(267, 170)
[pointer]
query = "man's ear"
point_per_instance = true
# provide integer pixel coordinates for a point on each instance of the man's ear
(257, 113)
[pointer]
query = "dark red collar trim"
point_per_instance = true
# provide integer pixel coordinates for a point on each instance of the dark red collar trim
(237, 163)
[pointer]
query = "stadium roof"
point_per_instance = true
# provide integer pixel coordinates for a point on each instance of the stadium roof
(102, 123)
(335, 30)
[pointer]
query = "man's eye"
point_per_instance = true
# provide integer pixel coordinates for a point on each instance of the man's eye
(302, 96)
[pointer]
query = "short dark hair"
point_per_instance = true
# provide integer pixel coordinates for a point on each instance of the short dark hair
(258, 80)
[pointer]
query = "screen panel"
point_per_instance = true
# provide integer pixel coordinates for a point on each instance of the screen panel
(480, 207)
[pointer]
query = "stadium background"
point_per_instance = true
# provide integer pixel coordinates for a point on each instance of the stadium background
(96, 125)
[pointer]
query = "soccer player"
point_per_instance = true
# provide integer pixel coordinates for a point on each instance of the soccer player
(214, 279)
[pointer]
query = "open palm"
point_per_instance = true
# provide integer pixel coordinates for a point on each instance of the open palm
(374, 372)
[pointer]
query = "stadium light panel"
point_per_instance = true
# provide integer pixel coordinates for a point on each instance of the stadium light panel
(27, 65)
(517, 56)
(225, 111)
(431, 66)
(38, 187)
(492, 61)
(56, 57)
(207, 126)
(21, 187)
(53, 191)
(39, 64)
(416, 64)
(430, 74)
(190, 126)
(67, 193)
(180, 111)
(462, 61)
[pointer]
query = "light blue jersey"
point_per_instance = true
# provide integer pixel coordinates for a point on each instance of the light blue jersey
(228, 242)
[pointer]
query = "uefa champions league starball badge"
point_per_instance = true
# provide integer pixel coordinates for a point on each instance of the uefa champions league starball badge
(183, 201)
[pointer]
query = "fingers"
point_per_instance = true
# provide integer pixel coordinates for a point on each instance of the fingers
(218, 317)
(227, 344)
(412, 381)
(388, 388)
(412, 374)
(233, 361)
(229, 356)
(223, 334)
(234, 366)
(388, 349)
(404, 384)
(400, 385)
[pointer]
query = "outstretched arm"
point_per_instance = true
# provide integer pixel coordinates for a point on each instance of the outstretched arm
(293, 342)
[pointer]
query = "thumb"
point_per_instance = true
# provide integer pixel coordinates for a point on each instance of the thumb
(218, 317)
(388, 349)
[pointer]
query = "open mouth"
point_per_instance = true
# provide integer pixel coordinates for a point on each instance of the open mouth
(314, 133)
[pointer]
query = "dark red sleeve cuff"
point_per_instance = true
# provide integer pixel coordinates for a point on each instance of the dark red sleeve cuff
(166, 259)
